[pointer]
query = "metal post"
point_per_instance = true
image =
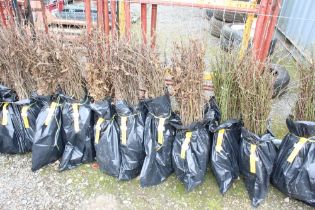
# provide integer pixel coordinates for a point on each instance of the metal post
(153, 24)
(122, 21)
(113, 15)
(128, 19)
(44, 15)
(4, 22)
(88, 17)
(144, 22)
(270, 30)
(106, 17)
(260, 26)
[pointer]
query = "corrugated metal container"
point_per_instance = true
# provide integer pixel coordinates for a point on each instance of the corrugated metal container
(297, 23)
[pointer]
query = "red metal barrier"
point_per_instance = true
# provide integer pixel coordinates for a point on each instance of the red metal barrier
(144, 23)
(153, 24)
(106, 17)
(113, 15)
(4, 22)
(267, 11)
(88, 16)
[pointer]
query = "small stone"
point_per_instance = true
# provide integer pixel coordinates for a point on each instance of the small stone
(287, 199)
(40, 184)
(69, 181)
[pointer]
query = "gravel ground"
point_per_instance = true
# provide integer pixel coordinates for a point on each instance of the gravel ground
(87, 188)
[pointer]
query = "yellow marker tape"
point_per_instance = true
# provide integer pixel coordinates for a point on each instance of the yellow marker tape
(24, 116)
(5, 113)
(123, 130)
(76, 117)
(185, 145)
(51, 111)
(161, 129)
(207, 76)
(297, 147)
(98, 129)
(252, 158)
(218, 146)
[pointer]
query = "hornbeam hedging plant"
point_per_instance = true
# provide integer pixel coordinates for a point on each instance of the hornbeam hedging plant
(255, 93)
(17, 59)
(41, 64)
(305, 105)
(225, 80)
(187, 71)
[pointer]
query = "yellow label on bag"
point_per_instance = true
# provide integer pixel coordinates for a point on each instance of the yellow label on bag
(161, 130)
(218, 146)
(51, 111)
(98, 129)
(24, 116)
(123, 130)
(5, 113)
(252, 158)
(297, 147)
(76, 116)
(185, 145)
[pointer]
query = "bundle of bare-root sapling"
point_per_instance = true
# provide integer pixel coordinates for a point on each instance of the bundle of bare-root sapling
(64, 123)
(226, 138)
(120, 149)
(159, 135)
(257, 153)
(191, 146)
(99, 76)
(19, 105)
(295, 161)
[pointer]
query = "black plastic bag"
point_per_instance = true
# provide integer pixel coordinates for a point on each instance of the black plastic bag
(7, 94)
(257, 157)
(225, 153)
(190, 154)
(191, 147)
(159, 136)
(131, 127)
(11, 131)
(28, 111)
(48, 145)
(106, 132)
(294, 172)
(77, 126)
(17, 122)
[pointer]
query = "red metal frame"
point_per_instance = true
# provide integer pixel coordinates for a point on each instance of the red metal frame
(127, 19)
(113, 15)
(106, 17)
(88, 17)
(4, 22)
(144, 23)
(153, 24)
(267, 11)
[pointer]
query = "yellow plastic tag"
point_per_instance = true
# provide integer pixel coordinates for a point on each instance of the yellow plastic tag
(218, 146)
(207, 76)
(5, 114)
(185, 145)
(76, 116)
(123, 130)
(252, 158)
(24, 116)
(98, 129)
(161, 130)
(51, 111)
(297, 147)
